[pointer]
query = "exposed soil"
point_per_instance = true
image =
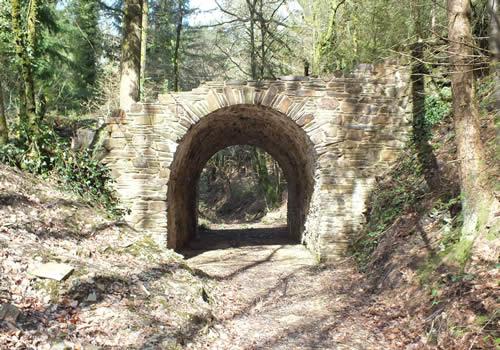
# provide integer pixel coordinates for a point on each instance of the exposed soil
(272, 294)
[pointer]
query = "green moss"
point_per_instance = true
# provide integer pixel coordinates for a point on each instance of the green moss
(481, 320)
(163, 302)
(428, 268)
(79, 272)
(145, 248)
(46, 256)
(461, 252)
(50, 287)
(458, 331)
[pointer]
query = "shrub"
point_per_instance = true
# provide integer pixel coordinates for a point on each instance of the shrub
(46, 153)
(437, 106)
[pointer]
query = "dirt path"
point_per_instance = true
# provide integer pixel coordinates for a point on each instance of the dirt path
(273, 295)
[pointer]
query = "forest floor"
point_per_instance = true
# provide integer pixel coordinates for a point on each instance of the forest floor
(240, 288)
(272, 294)
(125, 291)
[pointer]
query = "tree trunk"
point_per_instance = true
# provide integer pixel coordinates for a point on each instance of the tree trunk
(433, 17)
(4, 131)
(144, 40)
(131, 54)
(325, 45)
(178, 32)
(316, 26)
(495, 47)
(253, 51)
(24, 50)
(32, 48)
(253, 56)
(476, 197)
(262, 40)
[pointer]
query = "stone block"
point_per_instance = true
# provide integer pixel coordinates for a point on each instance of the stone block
(269, 96)
(157, 206)
(353, 88)
(329, 103)
(52, 270)
(388, 155)
(284, 104)
(136, 108)
(305, 119)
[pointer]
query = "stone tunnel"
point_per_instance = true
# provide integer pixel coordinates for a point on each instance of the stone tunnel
(331, 138)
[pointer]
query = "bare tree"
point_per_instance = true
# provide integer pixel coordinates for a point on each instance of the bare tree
(259, 21)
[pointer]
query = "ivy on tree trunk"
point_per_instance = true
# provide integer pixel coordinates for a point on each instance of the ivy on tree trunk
(131, 54)
(144, 37)
(25, 48)
(4, 131)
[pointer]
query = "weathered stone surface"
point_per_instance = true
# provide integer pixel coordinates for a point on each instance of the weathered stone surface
(305, 119)
(331, 139)
(52, 270)
(9, 313)
(328, 103)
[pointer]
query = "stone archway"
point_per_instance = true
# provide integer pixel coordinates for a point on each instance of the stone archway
(331, 137)
(247, 124)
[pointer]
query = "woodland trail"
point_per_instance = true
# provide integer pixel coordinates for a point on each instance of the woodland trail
(272, 294)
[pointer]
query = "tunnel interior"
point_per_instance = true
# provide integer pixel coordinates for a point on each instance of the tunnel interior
(252, 125)
(241, 186)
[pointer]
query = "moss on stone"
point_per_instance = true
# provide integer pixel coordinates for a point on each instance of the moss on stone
(146, 248)
(50, 287)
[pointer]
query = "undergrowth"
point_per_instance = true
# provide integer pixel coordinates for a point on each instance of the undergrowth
(403, 188)
(414, 234)
(47, 154)
(400, 190)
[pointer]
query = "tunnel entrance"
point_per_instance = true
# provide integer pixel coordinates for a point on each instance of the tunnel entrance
(251, 125)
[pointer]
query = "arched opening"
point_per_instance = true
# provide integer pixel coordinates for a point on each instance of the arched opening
(254, 125)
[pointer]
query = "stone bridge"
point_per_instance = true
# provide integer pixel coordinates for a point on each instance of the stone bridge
(330, 137)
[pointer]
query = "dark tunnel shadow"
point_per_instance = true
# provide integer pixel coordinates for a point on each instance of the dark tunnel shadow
(209, 239)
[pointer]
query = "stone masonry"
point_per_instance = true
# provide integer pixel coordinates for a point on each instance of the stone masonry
(330, 137)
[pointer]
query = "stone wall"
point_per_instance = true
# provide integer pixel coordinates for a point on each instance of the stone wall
(331, 139)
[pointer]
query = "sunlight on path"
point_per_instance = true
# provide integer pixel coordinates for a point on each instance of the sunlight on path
(272, 295)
